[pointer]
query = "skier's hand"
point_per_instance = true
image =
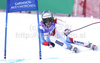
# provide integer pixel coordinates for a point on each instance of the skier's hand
(52, 45)
(67, 32)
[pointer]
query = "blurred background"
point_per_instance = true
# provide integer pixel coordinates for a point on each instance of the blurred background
(75, 8)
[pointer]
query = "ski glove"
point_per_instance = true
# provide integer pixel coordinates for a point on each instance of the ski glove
(50, 44)
(67, 32)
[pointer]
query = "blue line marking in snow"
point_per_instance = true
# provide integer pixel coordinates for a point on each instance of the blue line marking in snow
(1, 60)
(51, 58)
(16, 60)
(19, 60)
(13, 60)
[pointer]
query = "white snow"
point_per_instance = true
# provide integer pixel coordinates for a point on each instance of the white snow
(23, 46)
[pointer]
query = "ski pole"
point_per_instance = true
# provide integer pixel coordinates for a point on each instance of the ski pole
(85, 26)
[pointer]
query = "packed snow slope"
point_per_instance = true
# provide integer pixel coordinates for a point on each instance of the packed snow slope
(23, 45)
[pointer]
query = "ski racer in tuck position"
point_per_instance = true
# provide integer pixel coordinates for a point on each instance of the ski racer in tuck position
(48, 30)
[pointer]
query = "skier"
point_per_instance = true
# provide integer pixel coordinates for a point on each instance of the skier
(51, 36)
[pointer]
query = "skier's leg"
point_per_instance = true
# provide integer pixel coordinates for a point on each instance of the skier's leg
(70, 40)
(58, 39)
(84, 44)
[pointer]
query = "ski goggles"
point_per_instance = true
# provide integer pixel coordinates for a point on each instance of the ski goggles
(46, 20)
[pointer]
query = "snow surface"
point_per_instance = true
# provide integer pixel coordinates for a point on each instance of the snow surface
(23, 46)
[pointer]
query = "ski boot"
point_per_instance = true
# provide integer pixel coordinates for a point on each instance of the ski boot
(92, 46)
(75, 49)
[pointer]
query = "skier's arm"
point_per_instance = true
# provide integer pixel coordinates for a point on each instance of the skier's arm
(42, 36)
(62, 23)
(59, 22)
(44, 42)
